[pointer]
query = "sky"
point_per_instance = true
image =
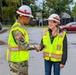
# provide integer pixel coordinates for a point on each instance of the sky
(42, 0)
(39, 1)
(72, 5)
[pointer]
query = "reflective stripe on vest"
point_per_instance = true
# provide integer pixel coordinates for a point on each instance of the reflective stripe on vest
(14, 48)
(57, 56)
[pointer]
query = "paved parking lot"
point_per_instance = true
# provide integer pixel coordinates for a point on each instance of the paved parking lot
(36, 62)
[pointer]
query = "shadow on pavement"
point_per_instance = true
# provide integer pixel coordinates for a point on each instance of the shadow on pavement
(3, 31)
(2, 43)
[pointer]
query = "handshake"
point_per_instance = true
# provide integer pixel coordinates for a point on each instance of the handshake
(38, 48)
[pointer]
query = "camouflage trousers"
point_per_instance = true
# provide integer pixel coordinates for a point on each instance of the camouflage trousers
(18, 68)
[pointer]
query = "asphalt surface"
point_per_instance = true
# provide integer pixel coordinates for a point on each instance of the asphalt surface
(36, 62)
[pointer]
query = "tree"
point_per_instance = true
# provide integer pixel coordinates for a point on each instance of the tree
(58, 6)
(28, 2)
(74, 10)
(47, 7)
(9, 7)
(1, 12)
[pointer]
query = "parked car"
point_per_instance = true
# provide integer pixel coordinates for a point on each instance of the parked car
(0, 26)
(69, 27)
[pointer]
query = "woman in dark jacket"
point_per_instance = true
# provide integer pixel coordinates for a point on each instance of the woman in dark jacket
(55, 53)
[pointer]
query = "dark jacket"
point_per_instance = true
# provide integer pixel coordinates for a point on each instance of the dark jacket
(64, 56)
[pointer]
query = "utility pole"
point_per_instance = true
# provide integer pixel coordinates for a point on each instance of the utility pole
(43, 12)
(43, 9)
(21, 2)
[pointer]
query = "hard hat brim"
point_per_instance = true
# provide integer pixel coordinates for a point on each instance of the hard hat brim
(25, 14)
(53, 19)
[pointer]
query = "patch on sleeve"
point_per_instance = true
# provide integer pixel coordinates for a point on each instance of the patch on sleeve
(18, 36)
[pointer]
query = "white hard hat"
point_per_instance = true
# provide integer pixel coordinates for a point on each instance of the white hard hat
(54, 17)
(25, 11)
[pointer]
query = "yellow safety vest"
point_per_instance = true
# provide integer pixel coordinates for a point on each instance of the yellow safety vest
(14, 52)
(53, 51)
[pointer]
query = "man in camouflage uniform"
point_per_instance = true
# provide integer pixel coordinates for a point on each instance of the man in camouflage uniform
(18, 43)
(20, 68)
